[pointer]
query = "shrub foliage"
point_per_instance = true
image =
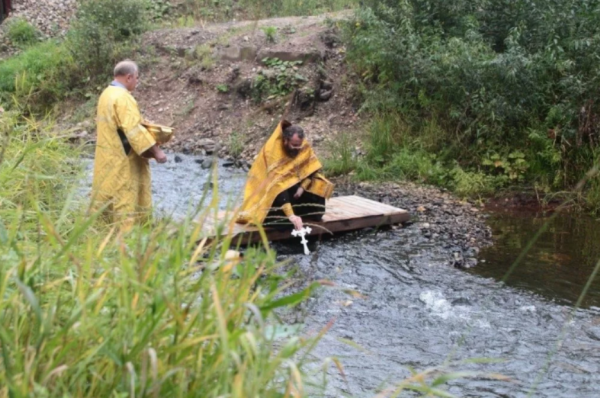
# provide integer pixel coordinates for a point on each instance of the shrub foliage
(496, 76)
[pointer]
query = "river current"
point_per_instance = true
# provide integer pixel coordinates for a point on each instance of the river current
(409, 309)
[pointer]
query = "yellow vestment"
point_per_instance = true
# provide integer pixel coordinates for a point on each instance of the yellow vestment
(274, 171)
(121, 181)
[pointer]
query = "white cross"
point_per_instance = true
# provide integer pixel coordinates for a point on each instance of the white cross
(302, 233)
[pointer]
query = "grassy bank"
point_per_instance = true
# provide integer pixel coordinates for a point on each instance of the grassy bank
(479, 96)
(89, 311)
(45, 72)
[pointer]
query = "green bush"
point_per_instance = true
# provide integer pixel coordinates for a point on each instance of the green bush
(38, 76)
(157, 9)
(124, 19)
(488, 73)
(22, 33)
(270, 33)
(471, 183)
(104, 32)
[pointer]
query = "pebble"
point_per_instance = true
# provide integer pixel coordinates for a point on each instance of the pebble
(207, 163)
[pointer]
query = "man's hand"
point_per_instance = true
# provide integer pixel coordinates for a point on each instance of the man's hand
(297, 221)
(299, 193)
(159, 155)
(155, 153)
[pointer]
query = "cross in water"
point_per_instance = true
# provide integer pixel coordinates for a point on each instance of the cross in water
(302, 233)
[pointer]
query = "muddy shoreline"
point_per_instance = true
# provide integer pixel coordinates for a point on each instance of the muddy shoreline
(458, 226)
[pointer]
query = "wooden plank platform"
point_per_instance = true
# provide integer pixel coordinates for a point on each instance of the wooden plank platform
(344, 213)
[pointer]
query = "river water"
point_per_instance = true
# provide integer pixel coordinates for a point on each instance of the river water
(558, 264)
(419, 312)
(410, 309)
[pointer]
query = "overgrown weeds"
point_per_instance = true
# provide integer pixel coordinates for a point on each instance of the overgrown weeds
(38, 76)
(508, 87)
(235, 144)
(278, 79)
(270, 33)
(89, 310)
(104, 32)
(343, 155)
(391, 150)
(21, 33)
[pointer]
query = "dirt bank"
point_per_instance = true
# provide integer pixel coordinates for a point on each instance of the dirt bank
(223, 87)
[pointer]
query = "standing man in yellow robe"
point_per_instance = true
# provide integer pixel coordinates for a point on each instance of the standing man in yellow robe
(284, 186)
(121, 185)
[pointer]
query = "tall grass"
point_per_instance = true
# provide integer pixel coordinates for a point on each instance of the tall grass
(342, 156)
(87, 310)
(394, 150)
(36, 76)
(103, 33)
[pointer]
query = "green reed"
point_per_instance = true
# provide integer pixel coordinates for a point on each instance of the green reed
(92, 311)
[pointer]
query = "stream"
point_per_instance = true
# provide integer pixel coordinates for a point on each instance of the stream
(411, 309)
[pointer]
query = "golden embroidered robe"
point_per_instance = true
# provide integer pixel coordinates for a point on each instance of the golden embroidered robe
(274, 171)
(121, 180)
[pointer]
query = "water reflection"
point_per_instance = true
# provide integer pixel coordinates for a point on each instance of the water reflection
(558, 265)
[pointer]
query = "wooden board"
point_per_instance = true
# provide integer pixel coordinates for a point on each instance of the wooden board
(344, 213)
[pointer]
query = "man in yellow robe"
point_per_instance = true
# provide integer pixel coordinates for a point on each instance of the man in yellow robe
(121, 185)
(284, 185)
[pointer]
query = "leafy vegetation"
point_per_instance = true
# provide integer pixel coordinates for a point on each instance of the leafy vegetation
(37, 76)
(270, 33)
(22, 33)
(235, 144)
(222, 88)
(342, 157)
(504, 89)
(277, 79)
(106, 31)
(158, 9)
(103, 32)
(204, 54)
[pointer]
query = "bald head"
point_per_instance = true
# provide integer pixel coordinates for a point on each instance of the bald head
(126, 73)
(125, 68)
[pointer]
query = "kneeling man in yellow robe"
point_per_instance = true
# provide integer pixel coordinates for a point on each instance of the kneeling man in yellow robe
(284, 185)
(121, 185)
